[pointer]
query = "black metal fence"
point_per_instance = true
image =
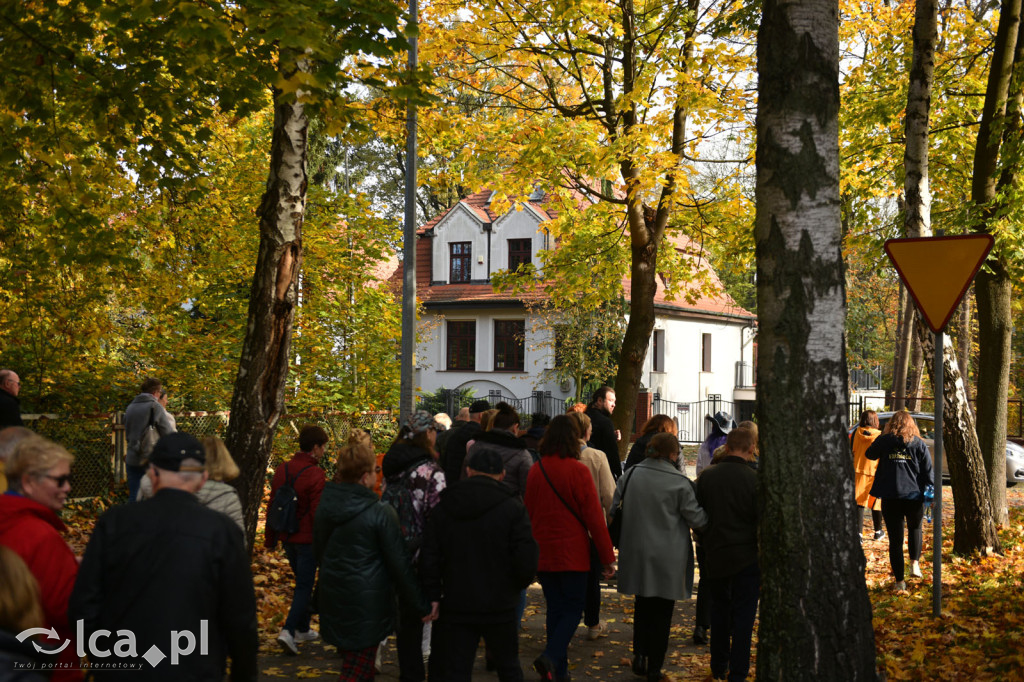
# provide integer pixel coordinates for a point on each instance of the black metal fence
(451, 401)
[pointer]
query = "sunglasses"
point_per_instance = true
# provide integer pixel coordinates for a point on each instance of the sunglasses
(59, 480)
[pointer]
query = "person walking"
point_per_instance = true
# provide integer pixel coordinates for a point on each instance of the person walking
(363, 563)
(728, 493)
(605, 436)
(597, 464)
(10, 405)
(145, 421)
(478, 556)
(655, 554)
(168, 567)
(864, 472)
(904, 471)
(413, 482)
(39, 476)
(566, 516)
(659, 423)
(302, 473)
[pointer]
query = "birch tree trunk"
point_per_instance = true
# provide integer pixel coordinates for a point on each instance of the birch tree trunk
(903, 348)
(809, 538)
(258, 400)
(973, 526)
(915, 377)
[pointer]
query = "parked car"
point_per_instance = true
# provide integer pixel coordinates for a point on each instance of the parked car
(926, 424)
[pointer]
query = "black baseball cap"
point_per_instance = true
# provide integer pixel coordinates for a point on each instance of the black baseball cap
(479, 406)
(485, 461)
(171, 450)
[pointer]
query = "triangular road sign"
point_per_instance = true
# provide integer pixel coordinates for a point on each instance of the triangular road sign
(938, 271)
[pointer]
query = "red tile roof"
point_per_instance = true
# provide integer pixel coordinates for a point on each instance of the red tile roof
(716, 304)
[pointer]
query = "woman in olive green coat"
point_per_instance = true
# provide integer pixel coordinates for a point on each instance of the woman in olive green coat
(363, 562)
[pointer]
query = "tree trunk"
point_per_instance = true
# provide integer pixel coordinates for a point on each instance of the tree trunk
(258, 400)
(900, 353)
(918, 213)
(974, 528)
(809, 544)
(643, 285)
(963, 346)
(995, 321)
(915, 388)
(899, 382)
(992, 287)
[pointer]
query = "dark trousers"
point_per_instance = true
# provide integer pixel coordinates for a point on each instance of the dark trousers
(564, 593)
(703, 616)
(895, 512)
(652, 619)
(460, 646)
(732, 621)
(592, 605)
(134, 475)
(409, 647)
(876, 519)
(300, 557)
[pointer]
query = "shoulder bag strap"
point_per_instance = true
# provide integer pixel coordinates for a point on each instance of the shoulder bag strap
(562, 499)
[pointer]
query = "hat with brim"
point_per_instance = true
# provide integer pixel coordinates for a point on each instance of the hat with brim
(722, 420)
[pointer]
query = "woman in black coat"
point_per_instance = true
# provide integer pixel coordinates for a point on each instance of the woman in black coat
(904, 471)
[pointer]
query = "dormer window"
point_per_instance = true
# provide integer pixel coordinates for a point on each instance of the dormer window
(519, 253)
(461, 262)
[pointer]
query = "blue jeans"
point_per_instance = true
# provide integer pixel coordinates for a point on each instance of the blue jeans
(134, 475)
(733, 609)
(565, 593)
(300, 557)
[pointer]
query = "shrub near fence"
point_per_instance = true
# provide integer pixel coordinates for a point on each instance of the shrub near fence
(98, 442)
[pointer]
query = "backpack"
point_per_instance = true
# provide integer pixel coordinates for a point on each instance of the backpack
(397, 494)
(283, 512)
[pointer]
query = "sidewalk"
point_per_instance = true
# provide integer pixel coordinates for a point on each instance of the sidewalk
(604, 659)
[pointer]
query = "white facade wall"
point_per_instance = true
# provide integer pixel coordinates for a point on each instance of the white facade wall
(431, 356)
(464, 225)
(684, 378)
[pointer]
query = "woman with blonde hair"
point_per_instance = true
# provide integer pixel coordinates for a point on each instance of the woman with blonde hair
(904, 471)
(19, 610)
(597, 463)
(216, 493)
(39, 476)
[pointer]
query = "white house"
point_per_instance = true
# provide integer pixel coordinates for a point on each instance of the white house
(474, 337)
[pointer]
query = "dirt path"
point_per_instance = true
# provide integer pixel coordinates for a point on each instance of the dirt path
(604, 659)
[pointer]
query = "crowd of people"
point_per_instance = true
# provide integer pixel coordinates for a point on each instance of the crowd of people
(433, 543)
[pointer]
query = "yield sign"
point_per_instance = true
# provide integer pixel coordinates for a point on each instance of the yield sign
(938, 270)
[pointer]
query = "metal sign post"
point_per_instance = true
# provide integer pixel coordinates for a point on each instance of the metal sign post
(937, 501)
(937, 272)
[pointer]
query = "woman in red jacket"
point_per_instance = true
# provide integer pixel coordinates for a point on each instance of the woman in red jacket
(566, 516)
(39, 474)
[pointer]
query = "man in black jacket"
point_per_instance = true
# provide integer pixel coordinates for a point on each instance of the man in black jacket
(174, 574)
(453, 455)
(478, 555)
(728, 493)
(10, 406)
(604, 437)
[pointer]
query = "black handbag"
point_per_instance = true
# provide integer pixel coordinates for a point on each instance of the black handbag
(615, 526)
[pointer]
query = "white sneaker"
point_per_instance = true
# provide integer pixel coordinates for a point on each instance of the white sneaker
(287, 642)
(378, 660)
(309, 635)
(901, 585)
(915, 569)
(596, 632)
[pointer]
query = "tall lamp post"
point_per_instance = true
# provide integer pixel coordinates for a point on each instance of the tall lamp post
(409, 235)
